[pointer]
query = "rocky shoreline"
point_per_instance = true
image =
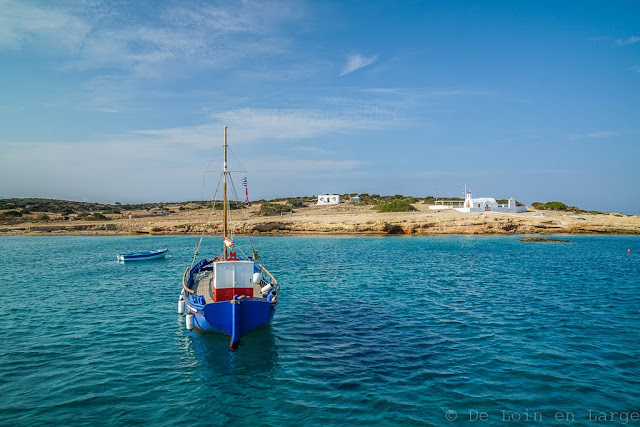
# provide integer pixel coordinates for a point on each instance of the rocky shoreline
(343, 219)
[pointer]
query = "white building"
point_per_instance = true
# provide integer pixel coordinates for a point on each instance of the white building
(482, 204)
(328, 199)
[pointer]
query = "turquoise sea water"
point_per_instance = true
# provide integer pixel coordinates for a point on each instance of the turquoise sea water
(369, 331)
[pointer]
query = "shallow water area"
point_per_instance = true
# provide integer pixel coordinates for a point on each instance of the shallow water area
(369, 331)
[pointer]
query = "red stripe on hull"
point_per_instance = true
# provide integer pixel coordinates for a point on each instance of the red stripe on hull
(227, 294)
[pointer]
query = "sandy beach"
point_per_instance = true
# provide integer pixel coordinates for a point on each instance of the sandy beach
(345, 219)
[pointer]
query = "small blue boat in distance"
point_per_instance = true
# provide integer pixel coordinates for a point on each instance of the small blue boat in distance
(230, 293)
(143, 255)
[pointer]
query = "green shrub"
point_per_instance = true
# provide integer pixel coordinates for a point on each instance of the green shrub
(555, 206)
(96, 216)
(11, 214)
(397, 205)
(267, 208)
(232, 205)
(296, 203)
(43, 217)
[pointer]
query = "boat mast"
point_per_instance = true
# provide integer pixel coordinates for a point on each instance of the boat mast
(225, 201)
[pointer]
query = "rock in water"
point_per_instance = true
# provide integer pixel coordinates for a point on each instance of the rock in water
(542, 239)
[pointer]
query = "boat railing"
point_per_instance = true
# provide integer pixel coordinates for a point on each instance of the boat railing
(274, 282)
(189, 273)
(187, 279)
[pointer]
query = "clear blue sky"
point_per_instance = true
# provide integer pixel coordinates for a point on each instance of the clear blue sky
(125, 100)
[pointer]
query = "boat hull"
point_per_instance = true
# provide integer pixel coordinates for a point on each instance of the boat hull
(234, 318)
(143, 256)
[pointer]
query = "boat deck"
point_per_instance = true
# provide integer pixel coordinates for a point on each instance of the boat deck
(204, 286)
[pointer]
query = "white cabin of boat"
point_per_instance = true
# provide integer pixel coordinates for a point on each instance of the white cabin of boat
(226, 278)
(232, 278)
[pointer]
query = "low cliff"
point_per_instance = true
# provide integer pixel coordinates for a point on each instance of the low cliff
(346, 219)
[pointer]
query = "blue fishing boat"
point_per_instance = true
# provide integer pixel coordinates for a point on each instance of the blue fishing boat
(230, 293)
(143, 255)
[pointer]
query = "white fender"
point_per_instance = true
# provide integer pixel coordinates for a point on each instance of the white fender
(190, 321)
(181, 305)
(266, 289)
(256, 278)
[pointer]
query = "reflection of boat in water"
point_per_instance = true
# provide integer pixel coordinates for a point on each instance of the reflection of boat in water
(143, 255)
(230, 294)
(259, 356)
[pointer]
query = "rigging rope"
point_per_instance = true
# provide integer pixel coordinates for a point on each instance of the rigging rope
(227, 208)
(236, 157)
(235, 194)
(213, 208)
(215, 156)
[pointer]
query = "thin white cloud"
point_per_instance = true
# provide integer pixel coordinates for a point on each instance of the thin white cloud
(101, 161)
(456, 92)
(355, 62)
(628, 40)
(198, 136)
(247, 125)
(308, 166)
(636, 68)
(22, 24)
(105, 110)
(241, 17)
(385, 90)
(593, 135)
(372, 108)
(123, 48)
(290, 124)
(103, 35)
(433, 174)
(311, 150)
(426, 92)
(407, 99)
(542, 171)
